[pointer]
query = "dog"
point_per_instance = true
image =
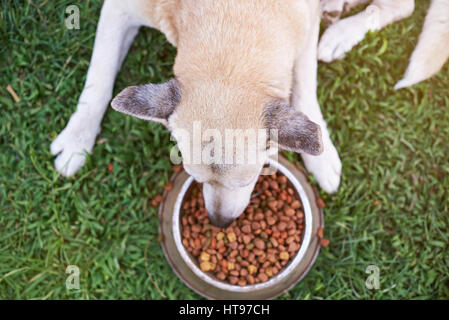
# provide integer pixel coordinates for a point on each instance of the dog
(240, 64)
(430, 54)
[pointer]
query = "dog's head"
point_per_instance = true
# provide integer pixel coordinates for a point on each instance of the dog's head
(222, 135)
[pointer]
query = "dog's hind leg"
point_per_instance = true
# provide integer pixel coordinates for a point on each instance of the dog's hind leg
(432, 50)
(326, 167)
(343, 35)
(115, 33)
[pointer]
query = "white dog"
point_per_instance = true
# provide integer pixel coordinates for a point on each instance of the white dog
(430, 54)
(240, 64)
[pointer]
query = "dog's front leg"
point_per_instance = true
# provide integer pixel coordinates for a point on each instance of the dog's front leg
(326, 167)
(115, 33)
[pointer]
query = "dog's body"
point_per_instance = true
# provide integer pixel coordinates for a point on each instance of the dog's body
(430, 54)
(239, 65)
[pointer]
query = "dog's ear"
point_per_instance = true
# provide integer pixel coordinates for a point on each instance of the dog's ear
(152, 102)
(293, 131)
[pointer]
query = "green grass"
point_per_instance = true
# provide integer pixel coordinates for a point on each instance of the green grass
(391, 210)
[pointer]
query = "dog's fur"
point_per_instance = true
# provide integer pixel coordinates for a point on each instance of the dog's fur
(430, 54)
(240, 64)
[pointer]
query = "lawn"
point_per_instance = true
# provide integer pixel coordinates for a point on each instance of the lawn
(391, 210)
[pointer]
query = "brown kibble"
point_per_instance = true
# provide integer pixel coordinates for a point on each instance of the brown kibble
(324, 242)
(157, 200)
(320, 233)
(220, 244)
(168, 186)
(291, 225)
(233, 245)
(221, 276)
(262, 277)
(283, 196)
(231, 266)
(246, 228)
(204, 256)
(282, 226)
(282, 180)
(292, 247)
(259, 243)
(242, 283)
(233, 280)
(255, 226)
(290, 240)
(296, 204)
(252, 269)
(231, 236)
(206, 266)
(233, 253)
(246, 239)
(320, 203)
(220, 236)
(289, 211)
(234, 273)
(273, 205)
(259, 216)
(271, 258)
(271, 220)
(197, 243)
(284, 255)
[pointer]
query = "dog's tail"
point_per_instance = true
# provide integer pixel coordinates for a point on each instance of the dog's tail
(432, 50)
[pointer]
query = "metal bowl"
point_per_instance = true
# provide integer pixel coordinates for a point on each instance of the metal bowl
(187, 268)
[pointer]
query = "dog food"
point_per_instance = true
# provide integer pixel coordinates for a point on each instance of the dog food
(256, 246)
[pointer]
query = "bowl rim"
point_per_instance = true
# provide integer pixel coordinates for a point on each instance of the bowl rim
(176, 230)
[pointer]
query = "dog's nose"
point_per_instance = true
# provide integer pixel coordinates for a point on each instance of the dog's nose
(220, 221)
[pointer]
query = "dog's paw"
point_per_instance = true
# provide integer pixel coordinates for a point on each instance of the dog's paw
(340, 38)
(404, 83)
(72, 144)
(326, 168)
